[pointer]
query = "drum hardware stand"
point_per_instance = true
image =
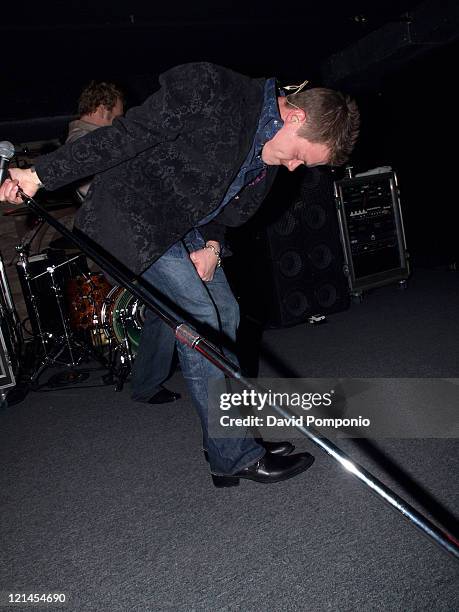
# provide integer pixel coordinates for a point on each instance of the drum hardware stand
(67, 338)
(64, 343)
(188, 336)
(53, 346)
(118, 374)
(127, 343)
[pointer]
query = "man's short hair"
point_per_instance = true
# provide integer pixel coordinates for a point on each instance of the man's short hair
(97, 93)
(332, 118)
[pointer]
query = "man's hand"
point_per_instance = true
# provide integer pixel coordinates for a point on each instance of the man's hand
(205, 261)
(25, 178)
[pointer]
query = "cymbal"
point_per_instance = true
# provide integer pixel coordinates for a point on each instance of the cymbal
(22, 210)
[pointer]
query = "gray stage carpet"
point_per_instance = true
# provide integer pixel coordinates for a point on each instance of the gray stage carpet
(110, 502)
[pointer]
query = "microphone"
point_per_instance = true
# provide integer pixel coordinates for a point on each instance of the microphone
(6, 153)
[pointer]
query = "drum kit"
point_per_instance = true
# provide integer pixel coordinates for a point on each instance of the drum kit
(73, 315)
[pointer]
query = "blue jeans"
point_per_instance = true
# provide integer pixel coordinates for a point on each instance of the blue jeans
(154, 357)
(212, 308)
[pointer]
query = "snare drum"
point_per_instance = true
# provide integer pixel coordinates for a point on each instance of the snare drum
(85, 298)
(123, 316)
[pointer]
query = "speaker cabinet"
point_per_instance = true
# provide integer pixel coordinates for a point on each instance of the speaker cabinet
(288, 259)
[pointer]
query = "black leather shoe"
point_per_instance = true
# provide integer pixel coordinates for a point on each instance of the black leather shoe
(275, 448)
(164, 396)
(268, 469)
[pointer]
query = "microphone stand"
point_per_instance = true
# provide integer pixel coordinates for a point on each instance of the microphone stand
(190, 337)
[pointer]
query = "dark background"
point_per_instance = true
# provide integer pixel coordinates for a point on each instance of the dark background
(399, 59)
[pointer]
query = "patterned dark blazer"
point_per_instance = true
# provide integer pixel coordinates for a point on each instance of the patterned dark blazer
(166, 164)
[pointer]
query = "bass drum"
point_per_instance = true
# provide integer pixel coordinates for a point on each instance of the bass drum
(123, 316)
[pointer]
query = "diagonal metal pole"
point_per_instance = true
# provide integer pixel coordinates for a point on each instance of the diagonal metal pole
(187, 335)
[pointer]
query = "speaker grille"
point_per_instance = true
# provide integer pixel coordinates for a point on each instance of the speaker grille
(321, 256)
(291, 264)
(314, 217)
(326, 295)
(286, 225)
(295, 304)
